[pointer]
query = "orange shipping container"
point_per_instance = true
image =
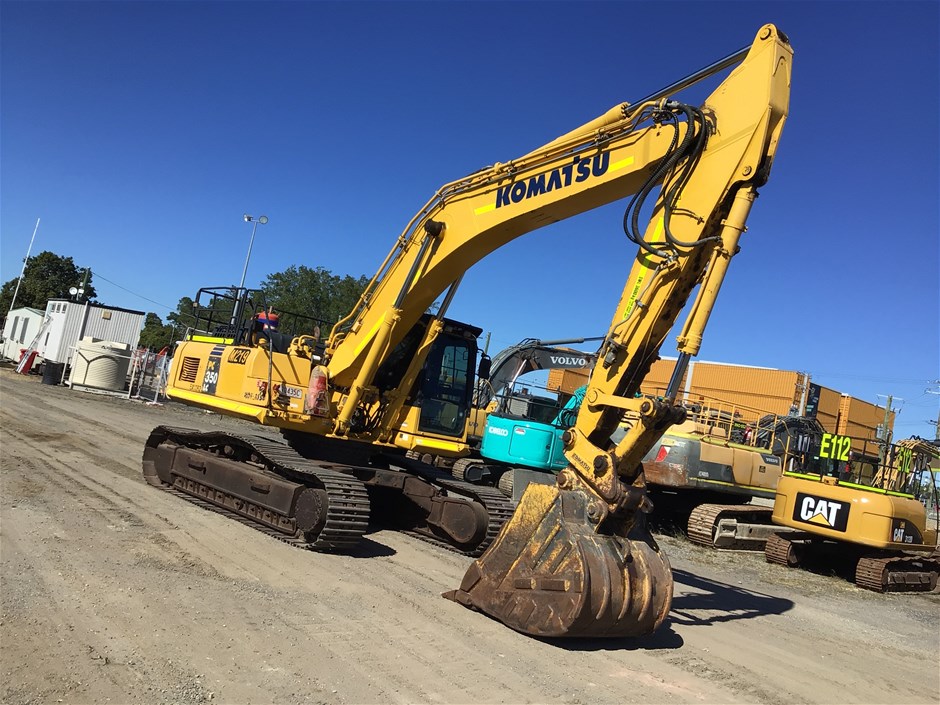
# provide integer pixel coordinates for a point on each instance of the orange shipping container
(566, 381)
(828, 408)
(753, 391)
(861, 419)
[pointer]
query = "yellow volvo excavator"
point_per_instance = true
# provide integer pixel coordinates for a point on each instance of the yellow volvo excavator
(573, 558)
(712, 470)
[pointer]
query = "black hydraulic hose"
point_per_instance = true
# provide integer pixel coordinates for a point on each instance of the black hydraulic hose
(632, 213)
(698, 149)
(673, 156)
(673, 159)
(696, 121)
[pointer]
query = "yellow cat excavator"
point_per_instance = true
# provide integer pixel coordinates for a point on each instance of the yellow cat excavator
(574, 558)
(865, 503)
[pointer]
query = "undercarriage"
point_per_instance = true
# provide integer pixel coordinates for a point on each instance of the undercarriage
(319, 504)
(880, 571)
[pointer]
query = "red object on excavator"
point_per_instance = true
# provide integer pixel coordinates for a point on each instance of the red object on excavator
(269, 320)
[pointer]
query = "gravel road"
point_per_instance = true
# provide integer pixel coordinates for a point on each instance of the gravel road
(113, 591)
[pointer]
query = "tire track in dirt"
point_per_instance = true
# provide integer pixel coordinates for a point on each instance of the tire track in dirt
(202, 604)
(124, 564)
(66, 472)
(460, 674)
(67, 617)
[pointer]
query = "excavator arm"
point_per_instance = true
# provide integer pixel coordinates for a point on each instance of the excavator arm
(575, 559)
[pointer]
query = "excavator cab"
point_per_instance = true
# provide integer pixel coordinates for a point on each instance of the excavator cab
(446, 387)
(241, 316)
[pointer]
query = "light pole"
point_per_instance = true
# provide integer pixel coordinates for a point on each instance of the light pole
(249, 219)
(25, 262)
(239, 299)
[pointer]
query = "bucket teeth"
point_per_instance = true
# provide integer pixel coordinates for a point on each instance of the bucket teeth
(550, 573)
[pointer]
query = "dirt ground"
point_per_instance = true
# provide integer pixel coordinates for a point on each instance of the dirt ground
(115, 592)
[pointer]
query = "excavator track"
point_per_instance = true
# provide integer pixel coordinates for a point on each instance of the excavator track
(506, 483)
(497, 506)
(730, 526)
(295, 540)
(903, 573)
(461, 465)
(332, 506)
(471, 470)
(478, 472)
(418, 496)
(785, 549)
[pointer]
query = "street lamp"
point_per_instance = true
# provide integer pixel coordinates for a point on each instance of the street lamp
(249, 219)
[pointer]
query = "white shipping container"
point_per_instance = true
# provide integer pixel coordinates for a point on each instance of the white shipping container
(70, 322)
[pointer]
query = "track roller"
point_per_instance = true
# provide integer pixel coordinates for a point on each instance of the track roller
(783, 550)
(731, 526)
(904, 573)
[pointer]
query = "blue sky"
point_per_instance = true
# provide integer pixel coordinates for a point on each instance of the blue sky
(140, 133)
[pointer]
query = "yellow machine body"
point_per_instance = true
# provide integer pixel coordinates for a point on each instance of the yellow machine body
(854, 514)
(865, 504)
(270, 388)
(863, 492)
(574, 559)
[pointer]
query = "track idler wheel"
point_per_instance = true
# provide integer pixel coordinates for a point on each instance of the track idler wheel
(310, 511)
(550, 573)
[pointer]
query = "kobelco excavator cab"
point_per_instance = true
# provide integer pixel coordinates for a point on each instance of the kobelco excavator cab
(866, 501)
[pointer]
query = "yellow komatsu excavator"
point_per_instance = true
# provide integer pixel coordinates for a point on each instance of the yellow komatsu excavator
(866, 504)
(574, 558)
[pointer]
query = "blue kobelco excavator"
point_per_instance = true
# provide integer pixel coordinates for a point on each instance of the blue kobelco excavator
(509, 426)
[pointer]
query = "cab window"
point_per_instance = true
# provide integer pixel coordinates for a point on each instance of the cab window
(445, 388)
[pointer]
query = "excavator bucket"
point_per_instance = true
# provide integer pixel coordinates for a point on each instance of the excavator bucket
(550, 573)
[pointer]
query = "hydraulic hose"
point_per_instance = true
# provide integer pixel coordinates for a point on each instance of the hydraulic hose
(632, 213)
(697, 122)
(674, 155)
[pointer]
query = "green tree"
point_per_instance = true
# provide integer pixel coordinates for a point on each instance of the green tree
(313, 292)
(183, 317)
(47, 276)
(317, 293)
(155, 334)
